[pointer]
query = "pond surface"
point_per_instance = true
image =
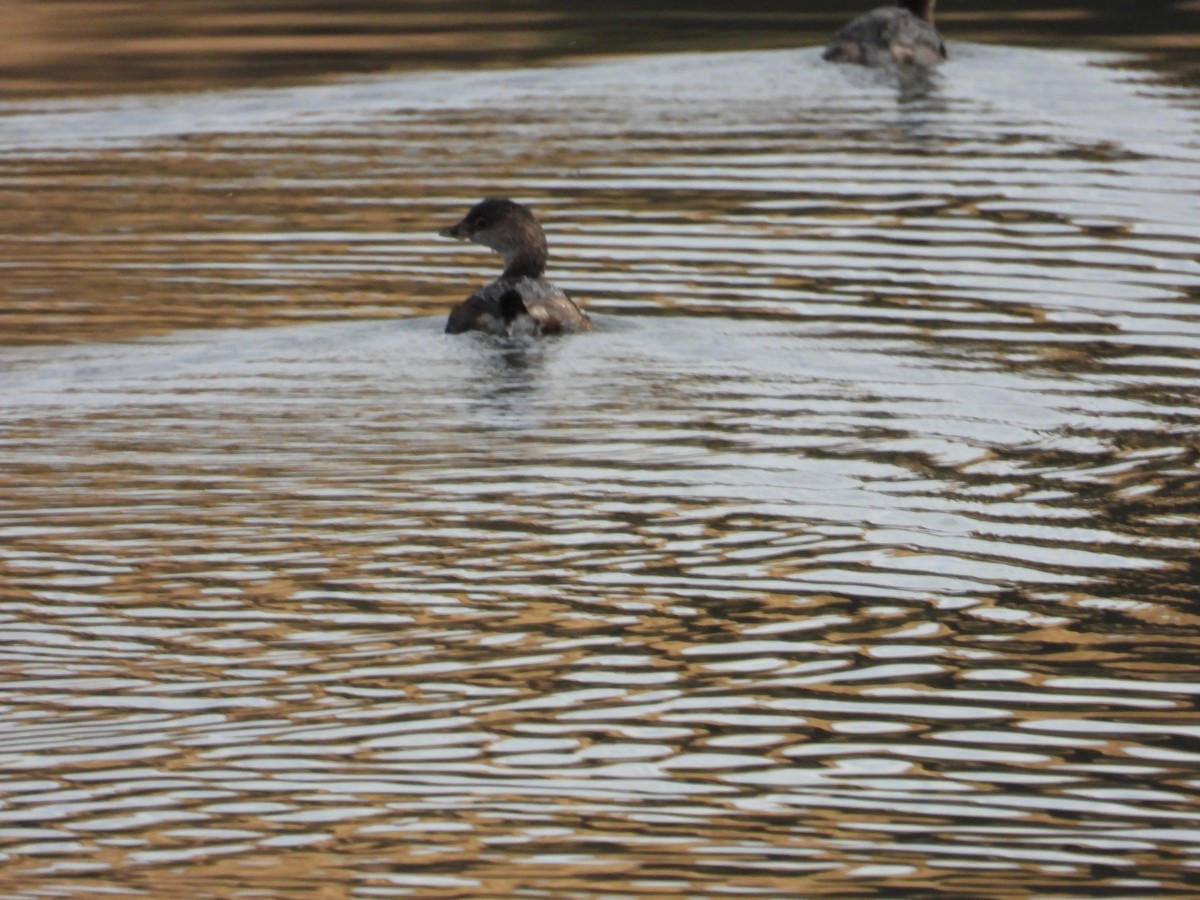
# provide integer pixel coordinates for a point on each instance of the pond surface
(854, 554)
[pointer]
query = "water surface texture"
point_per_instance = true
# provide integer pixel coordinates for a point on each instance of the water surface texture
(854, 554)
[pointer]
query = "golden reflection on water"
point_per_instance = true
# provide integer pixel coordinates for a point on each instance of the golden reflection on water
(57, 47)
(852, 553)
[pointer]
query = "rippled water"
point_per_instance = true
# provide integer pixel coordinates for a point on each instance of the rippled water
(853, 554)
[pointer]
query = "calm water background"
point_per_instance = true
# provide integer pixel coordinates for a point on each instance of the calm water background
(854, 554)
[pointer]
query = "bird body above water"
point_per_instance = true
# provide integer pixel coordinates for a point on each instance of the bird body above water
(520, 301)
(903, 34)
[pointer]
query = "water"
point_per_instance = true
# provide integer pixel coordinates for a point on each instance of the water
(853, 554)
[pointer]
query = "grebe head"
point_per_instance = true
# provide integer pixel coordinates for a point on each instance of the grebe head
(922, 9)
(508, 228)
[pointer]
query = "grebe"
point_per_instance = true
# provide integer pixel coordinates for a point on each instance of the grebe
(902, 34)
(520, 301)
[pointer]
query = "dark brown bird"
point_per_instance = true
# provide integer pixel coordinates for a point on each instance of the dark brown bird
(520, 301)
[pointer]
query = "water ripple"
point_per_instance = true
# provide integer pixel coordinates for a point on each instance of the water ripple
(853, 551)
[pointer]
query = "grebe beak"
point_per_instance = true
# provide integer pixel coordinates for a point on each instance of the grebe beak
(459, 231)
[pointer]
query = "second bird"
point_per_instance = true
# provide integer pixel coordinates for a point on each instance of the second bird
(902, 34)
